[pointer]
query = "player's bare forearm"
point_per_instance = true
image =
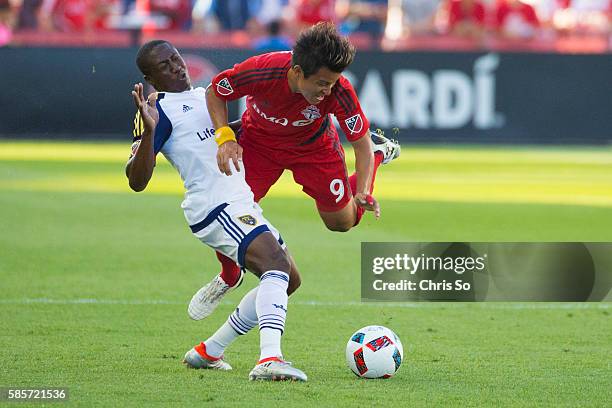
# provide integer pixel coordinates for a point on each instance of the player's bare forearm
(139, 168)
(364, 164)
(217, 108)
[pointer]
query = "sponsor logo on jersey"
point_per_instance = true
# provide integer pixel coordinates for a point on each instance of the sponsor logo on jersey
(354, 123)
(311, 112)
(187, 108)
(248, 220)
(224, 88)
(281, 121)
(206, 134)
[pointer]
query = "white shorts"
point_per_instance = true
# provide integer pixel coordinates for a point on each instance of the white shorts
(230, 228)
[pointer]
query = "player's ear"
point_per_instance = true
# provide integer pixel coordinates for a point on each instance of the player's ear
(298, 70)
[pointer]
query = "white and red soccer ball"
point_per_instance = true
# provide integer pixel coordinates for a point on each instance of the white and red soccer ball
(374, 352)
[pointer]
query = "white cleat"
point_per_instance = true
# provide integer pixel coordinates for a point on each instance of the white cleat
(390, 148)
(276, 370)
(206, 300)
(193, 359)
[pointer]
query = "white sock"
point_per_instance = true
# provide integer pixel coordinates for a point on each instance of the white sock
(271, 306)
(243, 319)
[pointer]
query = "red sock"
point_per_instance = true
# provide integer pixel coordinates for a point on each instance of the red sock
(230, 272)
(378, 158)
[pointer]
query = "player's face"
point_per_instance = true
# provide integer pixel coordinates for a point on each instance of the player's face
(167, 70)
(317, 86)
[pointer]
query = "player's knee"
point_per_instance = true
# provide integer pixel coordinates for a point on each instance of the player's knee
(265, 254)
(339, 226)
(294, 281)
(279, 261)
(271, 260)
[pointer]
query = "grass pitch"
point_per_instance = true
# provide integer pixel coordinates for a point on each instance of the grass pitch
(96, 281)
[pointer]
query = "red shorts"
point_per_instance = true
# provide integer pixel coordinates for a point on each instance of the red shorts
(321, 171)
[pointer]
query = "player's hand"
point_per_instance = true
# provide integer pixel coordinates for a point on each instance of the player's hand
(367, 202)
(229, 152)
(148, 114)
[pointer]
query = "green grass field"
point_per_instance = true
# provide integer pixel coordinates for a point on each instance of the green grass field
(96, 281)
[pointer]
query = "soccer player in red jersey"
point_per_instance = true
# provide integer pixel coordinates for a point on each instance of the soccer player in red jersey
(287, 125)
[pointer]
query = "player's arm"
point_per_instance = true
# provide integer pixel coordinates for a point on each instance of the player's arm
(139, 168)
(229, 149)
(364, 168)
(356, 128)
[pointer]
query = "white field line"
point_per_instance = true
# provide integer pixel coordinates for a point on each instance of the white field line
(316, 303)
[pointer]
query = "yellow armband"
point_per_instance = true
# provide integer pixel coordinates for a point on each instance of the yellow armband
(224, 134)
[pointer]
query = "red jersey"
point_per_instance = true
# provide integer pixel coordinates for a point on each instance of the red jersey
(280, 119)
(524, 12)
(458, 13)
(310, 12)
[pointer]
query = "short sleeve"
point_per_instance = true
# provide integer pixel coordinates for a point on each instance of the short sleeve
(348, 111)
(245, 78)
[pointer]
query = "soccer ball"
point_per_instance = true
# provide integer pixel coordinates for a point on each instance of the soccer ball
(374, 352)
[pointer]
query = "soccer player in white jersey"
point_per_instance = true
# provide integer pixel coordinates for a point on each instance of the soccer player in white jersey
(219, 209)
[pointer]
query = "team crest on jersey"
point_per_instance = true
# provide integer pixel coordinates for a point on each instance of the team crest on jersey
(311, 113)
(224, 88)
(354, 123)
(248, 220)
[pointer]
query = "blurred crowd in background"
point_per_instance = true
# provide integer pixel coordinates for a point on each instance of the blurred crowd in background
(273, 24)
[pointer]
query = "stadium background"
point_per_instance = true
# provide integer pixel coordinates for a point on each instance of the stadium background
(503, 140)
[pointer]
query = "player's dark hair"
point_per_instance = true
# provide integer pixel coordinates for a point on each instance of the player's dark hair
(142, 58)
(321, 46)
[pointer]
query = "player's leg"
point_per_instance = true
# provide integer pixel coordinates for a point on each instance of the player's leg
(323, 176)
(241, 232)
(270, 262)
(385, 150)
(209, 353)
(207, 298)
(261, 173)
(327, 182)
(266, 306)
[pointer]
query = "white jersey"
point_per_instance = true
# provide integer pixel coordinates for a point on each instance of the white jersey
(185, 136)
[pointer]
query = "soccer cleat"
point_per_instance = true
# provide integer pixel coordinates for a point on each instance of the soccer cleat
(206, 300)
(276, 370)
(193, 359)
(389, 148)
